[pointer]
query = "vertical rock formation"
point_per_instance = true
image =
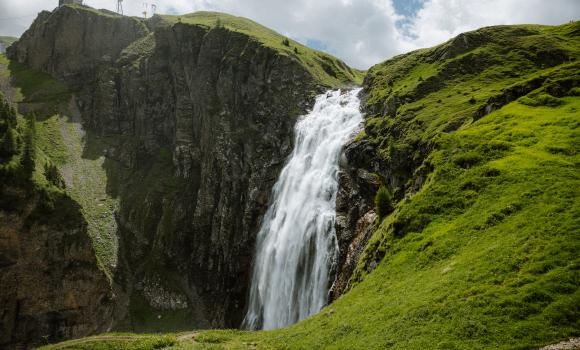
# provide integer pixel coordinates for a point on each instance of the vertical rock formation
(355, 216)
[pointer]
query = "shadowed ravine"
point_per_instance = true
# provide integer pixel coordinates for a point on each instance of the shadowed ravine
(297, 240)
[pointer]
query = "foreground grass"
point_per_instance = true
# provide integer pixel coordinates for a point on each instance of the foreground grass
(112, 341)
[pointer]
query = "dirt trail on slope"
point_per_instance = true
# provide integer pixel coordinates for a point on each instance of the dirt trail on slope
(186, 337)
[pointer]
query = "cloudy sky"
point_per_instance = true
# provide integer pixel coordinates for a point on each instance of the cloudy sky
(361, 32)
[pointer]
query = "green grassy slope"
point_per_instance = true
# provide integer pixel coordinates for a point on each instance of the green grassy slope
(483, 255)
(327, 69)
(62, 143)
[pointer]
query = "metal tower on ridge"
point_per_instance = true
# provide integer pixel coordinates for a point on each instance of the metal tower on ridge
(120, 7)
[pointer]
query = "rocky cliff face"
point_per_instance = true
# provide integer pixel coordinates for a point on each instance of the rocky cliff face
(226, 118)
(50, 286)
(71, 42)
(355, 213)
(198, 120)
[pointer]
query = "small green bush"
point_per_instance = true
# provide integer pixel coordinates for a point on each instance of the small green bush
(286, 42)
(53, 175)
(383, 203)
(9, 145)
(541, 99)
(468, 159)
(575, 91)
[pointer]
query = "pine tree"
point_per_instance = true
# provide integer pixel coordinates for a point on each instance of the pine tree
(53, 175)
(9, 145)
(29, 155)
(8, 134)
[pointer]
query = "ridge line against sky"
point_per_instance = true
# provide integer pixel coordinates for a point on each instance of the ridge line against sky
(361, 32)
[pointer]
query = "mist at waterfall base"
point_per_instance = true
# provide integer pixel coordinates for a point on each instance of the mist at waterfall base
(297, 243)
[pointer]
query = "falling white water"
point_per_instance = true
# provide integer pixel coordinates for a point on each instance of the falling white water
(297, 241)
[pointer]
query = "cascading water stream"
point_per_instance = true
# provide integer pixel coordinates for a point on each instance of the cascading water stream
(297, 241)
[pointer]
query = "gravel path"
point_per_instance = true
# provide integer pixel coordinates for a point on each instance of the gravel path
(571, 344)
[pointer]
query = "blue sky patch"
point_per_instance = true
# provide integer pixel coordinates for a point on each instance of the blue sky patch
(316, 44)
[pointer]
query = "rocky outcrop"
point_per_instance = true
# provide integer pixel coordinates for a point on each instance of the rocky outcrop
(50, 286)
(508, 95)
(571, 344)
(355, 216)
(72, 41)
(199, 120)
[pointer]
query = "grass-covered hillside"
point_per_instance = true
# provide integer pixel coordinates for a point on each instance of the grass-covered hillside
(22, 163)
(62, 146)
(481, 136)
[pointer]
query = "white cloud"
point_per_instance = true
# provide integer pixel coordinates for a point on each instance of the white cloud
(440, 20)
(361, 32)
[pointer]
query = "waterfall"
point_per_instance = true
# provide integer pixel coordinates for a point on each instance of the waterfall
(297, 241)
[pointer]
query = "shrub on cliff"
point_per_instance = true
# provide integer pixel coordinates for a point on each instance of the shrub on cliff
(383, 203)
(9, 144)
(53, 175)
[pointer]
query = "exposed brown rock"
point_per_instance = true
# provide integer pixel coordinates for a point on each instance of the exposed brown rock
(50, 286)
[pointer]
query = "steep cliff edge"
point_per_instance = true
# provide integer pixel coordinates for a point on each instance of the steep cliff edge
(193, 116)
